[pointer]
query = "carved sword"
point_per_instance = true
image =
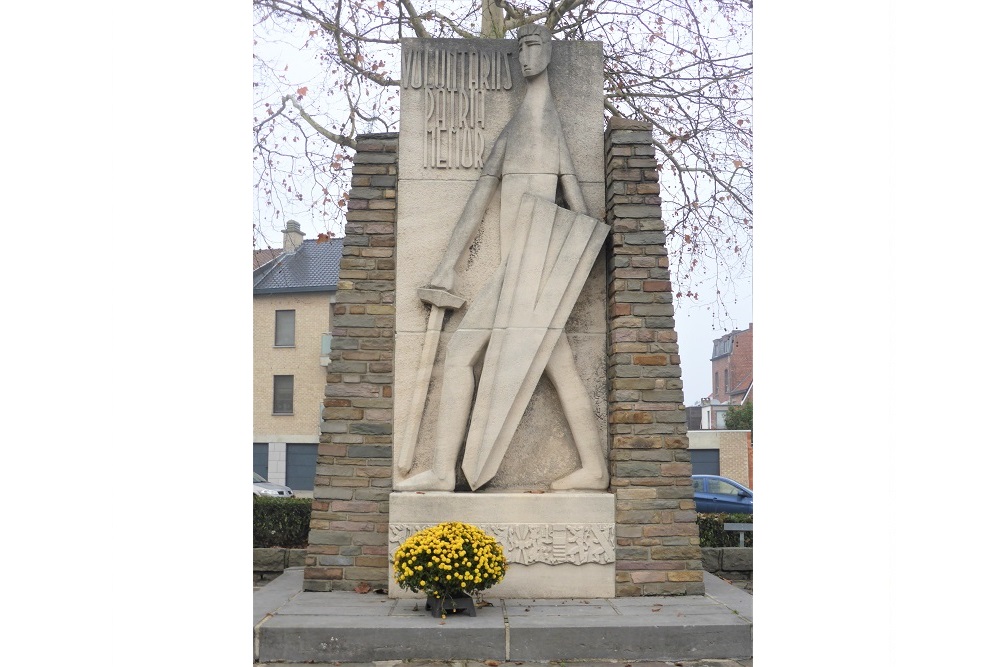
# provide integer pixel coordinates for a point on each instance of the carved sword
(439, 300)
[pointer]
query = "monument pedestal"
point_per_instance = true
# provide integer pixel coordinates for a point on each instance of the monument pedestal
(558, 545)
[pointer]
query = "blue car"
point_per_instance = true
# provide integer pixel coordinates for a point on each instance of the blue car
(720, 494)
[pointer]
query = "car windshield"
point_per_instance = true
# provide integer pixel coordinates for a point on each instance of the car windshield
(258, 478)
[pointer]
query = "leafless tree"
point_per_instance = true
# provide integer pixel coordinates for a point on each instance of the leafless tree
(683, 65)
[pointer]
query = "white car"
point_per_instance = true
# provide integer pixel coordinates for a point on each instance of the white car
(262, 487)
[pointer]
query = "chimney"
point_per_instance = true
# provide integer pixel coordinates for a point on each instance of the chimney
(293, 236)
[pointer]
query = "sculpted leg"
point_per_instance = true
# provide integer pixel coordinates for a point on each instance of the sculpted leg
(576, 404)
(453, 413)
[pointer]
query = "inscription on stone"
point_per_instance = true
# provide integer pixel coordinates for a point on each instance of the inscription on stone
(525, 544)
(455, 85)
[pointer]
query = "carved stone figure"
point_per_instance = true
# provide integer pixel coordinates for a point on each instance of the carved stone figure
(515, 324)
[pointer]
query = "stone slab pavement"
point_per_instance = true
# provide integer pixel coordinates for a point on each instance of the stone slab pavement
(747, 662)
(345, 628)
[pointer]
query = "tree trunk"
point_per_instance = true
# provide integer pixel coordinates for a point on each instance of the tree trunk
(492, 26)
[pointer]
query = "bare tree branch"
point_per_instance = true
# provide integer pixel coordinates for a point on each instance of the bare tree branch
(683, 66)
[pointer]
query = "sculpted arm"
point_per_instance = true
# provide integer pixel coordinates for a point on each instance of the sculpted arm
(572, 193)
(567, 178)
(472, 215)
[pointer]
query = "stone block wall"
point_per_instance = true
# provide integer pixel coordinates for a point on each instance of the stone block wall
(657, 532)
(269, 563)
(734, 564)
(348, 537)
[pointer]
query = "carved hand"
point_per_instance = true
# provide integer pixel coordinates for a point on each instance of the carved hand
(444, 278)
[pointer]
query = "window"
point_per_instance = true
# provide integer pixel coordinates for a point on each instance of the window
(284, 328)
(725, 375)
(283, 385)
(715, 382)
(722, 488)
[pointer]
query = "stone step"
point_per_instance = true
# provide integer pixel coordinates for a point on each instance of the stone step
(295, 626)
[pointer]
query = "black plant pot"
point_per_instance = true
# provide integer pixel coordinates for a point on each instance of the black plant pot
(451, 604)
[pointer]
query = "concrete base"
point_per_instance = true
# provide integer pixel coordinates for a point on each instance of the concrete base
(340, 627)
(557, 545)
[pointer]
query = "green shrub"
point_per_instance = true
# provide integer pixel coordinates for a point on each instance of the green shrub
(281, 522)
(711, 533)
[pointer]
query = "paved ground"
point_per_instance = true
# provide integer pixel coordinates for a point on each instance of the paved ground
(288, 618)
(555, 663)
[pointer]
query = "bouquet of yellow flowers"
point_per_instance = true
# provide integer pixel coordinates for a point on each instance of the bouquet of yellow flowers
(449, 559)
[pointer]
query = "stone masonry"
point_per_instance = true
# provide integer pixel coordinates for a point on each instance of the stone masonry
(348, 537)
(657, 532)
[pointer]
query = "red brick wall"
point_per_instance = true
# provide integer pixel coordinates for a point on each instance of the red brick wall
(739, 363)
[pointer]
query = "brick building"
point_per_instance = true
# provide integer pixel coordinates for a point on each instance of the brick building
(732, 367)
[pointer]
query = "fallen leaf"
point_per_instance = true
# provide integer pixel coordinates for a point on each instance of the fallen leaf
(493, 663)
(362, 587)
(658, 609)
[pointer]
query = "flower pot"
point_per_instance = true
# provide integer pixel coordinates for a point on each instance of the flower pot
(451, 604)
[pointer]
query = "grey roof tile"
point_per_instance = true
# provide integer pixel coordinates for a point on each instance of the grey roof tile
(313, 267)
(264, 255)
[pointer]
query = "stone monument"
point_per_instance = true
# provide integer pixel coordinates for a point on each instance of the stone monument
(516, 299)
(492, 134)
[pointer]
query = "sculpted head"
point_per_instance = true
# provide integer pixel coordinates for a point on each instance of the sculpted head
(534, 49)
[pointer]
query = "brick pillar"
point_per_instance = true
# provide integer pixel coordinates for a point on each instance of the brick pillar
(657, 531)
(348, 537)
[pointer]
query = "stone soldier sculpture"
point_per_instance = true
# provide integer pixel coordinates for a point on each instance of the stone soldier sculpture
(518, 317)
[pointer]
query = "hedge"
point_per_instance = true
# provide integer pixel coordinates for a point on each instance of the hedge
(712, 534)
(281, 522)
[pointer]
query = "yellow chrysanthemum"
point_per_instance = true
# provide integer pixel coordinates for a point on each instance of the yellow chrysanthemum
(455, 556)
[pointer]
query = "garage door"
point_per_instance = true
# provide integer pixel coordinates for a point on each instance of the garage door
(260, 458)
(704, 461)
(300, 466)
